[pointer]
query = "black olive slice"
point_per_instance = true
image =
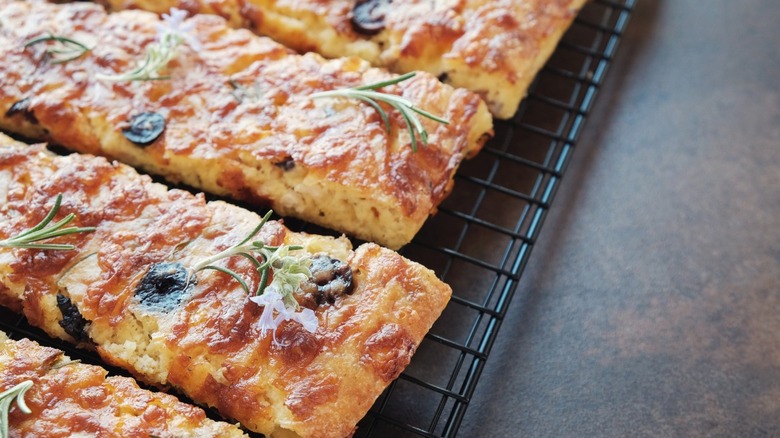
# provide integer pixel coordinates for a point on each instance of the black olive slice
(22, 107)
(164, 286)
(286, 164)
(368, 16)
(330, 278)
(144, 128)
(72, 322)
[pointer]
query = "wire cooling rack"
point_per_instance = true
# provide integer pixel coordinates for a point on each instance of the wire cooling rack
(481, 239)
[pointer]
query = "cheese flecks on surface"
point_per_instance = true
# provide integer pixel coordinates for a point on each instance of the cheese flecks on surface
(492, 47)
(235, 118)
(373, 307)
(69, 399)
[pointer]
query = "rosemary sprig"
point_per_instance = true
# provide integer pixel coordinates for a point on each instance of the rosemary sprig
(266, 259)
(65, 363)
(65, 49)
(44, 231)
(369, 95)
(242, 93)
(158, 55)
(7, 397)
(171, 33)
(277, 297)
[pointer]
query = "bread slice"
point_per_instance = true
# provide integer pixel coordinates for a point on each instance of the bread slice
(492, 47)
(68, 398)
(127, 290)
(237, 118)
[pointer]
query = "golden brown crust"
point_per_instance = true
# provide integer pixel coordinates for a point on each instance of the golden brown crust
(70, 398)
(492, 47)
(277, 147)
(210, 346)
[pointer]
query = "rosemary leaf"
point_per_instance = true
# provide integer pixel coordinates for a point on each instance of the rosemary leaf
(171, 33)
(44, 231)
(63, 50)
(281, 275)
(368, 94)
(7, 397)
(266, 259)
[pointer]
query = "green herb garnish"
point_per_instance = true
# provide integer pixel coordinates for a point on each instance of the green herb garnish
(59, 365)
(288, 271)
(44, 231)
(277, 297)
(6, 399)
(369, 95)
(158, 55)
(242, 93)
(171, 33)
(63, 50)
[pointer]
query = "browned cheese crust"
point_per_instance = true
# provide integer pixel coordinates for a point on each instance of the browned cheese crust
(492, 47)
(69, 398)
(328, 161)
(204, 338)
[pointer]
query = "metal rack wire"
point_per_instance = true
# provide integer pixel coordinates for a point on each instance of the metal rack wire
(482, 237)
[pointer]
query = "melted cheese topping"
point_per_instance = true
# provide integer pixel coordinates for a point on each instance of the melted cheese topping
(327, 161)
(73, 399)
(211, 346)
(492, 47)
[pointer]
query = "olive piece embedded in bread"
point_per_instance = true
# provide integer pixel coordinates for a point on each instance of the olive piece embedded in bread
(287, 164)
(22, 107)
(330, 278)
(144, 128)
(164, 286)
(72, 321)
(368, 16)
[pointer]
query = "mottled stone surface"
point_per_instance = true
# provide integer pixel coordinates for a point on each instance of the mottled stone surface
(651, 305)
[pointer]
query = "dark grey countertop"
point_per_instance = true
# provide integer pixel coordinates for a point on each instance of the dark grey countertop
(651, 304)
